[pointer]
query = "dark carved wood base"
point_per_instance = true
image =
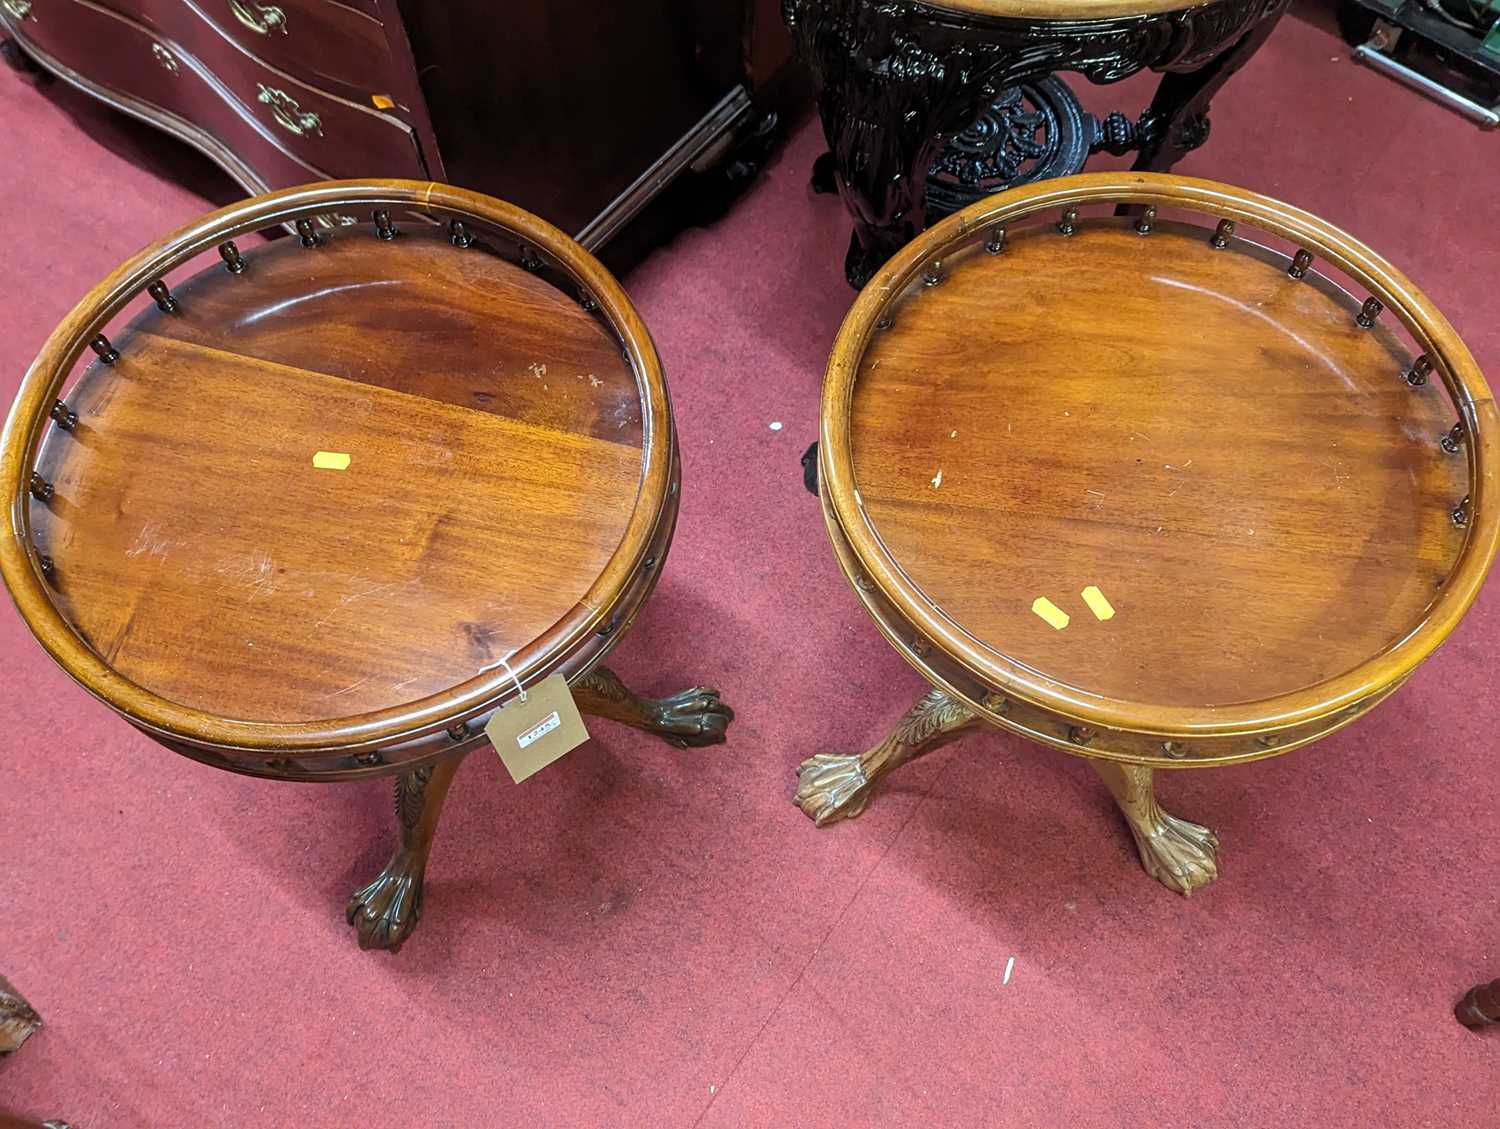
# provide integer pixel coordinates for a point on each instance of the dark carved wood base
(386, 911)
(898, 79)
(831, 786)
(18, 1020)
(1480, 1007)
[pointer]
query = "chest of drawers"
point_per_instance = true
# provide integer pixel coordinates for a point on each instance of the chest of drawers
(577, 111)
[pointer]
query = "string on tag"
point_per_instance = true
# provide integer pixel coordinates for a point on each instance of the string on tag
(519, 688)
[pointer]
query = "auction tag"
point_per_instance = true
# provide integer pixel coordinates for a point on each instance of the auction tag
(531, 734)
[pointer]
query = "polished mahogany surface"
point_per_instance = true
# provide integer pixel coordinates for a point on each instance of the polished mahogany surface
(1239, 467)
(494, 440)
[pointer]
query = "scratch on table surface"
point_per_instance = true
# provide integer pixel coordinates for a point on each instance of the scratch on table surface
(149, 540)
(345, 601)
(351, 686)
(257, 572)
(937, 479)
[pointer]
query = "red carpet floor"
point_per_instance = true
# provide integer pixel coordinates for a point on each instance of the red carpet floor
(645, 937)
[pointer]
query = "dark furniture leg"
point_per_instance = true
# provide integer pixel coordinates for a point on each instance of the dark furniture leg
(15, 58)
(1480, 1007)
(693, 717)
(387, 910)
(1178, 117)
(883, 134)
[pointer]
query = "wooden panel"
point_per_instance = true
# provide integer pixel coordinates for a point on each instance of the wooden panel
(1218, 447)
(548, 363)
(582, 97)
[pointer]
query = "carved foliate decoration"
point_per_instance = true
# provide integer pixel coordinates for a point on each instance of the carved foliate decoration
(411, 792)
(898, 80)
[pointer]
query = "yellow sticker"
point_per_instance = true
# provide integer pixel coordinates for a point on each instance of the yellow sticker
(381, 102)
(1050, 612)
(330, 460)
(1097, 603)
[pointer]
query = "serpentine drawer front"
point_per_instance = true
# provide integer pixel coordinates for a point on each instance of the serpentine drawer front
(347, 138)
(153, 76)
(322, 42)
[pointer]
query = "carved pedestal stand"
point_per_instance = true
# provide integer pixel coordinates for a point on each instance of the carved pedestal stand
(898, 82)
(387, 910)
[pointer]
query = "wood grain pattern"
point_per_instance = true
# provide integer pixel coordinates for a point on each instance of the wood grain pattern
(1240, 467)
(198, 550)
(1218, 447)
(510, 492)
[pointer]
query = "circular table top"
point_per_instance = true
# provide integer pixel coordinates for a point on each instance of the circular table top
(351, 479)
(1216, 448)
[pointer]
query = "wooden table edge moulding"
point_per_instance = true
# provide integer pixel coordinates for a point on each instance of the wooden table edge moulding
(1127, 741)
(421, 742)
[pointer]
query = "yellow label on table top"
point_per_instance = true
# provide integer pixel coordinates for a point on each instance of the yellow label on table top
(1049, 611)
(330, 460)
(1097, 603)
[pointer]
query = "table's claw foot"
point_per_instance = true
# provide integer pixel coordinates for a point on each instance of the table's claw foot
(693, 718)
(1181, 855)
(832, 786)
(689, 719)
(387, 910)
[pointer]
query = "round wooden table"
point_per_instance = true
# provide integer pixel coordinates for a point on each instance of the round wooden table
(324, 504)
(901, 81)
(1190, 487)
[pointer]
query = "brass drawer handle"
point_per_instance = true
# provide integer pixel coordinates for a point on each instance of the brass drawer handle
(20, 9)
(288, 114)
(259, 18)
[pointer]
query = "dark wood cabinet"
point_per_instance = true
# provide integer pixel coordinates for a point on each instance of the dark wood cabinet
(577, 111)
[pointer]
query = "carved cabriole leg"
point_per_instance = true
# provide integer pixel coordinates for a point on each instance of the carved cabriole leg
(1178, 854)
(689, 718)
(18, 1021)
(387, 910)
(1179, 110)
(1480, 1007)
(834, 786)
